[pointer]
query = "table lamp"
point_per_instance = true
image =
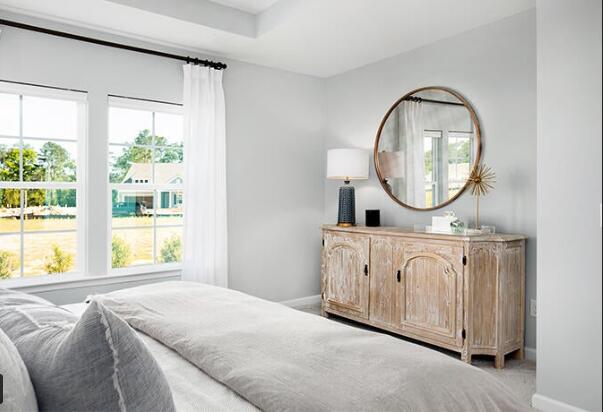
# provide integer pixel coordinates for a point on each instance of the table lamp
(347, 165)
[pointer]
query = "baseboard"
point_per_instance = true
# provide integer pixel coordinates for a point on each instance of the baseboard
(530, 353)
(305, 301)
(546, 404)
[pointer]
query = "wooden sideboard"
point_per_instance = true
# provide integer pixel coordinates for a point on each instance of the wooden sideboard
(462, 293)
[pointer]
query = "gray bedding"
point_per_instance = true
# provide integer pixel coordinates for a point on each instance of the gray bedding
(192, 389)
(280, 359)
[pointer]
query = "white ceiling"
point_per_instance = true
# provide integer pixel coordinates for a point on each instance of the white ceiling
(250, 6)
(316, 37)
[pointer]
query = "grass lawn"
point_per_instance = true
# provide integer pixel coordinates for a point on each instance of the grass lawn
(38, 247)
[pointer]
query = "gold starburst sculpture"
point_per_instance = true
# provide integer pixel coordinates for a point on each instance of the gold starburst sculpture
(481, 181)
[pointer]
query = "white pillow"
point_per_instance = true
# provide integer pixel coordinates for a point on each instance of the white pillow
(18, 392)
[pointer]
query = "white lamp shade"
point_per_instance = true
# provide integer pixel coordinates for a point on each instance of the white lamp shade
(347, 164)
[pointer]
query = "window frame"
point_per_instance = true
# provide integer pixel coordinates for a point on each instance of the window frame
(133, 103)
(80, 184)
(437, 138)
(461, 135)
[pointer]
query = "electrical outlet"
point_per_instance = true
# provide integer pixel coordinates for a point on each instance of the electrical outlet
(533, 308)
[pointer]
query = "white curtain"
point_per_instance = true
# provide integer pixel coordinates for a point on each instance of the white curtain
(411, 133)
(205, 241)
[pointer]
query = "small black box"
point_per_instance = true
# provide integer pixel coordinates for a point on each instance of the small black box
(373, 218)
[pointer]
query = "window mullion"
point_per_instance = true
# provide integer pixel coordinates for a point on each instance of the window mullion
(21, 230)
(155, 192)
(21, 192)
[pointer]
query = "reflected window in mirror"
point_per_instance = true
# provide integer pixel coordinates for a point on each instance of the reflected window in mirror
(433, 155)
(460, 159)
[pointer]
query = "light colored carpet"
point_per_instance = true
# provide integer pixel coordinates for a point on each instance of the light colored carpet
(519, 376)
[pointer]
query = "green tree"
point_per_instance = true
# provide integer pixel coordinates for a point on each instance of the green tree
(9, 163)
(53, 163)
(32, 171)
(58, 261)
(57, 166)
(121, 255)
(165, 153)
(461, 152)
(66, 198)
(8, 264)
(9, 198)
(172, 250)
(56, 163)
(170, 154)
(429, 161)
(9, 171)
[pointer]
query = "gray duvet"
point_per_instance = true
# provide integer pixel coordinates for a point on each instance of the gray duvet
(280, 359)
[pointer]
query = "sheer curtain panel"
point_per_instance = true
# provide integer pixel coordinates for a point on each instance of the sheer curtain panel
(205, 241)
(412, 129)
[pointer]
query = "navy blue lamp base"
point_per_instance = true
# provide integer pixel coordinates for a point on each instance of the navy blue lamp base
(347, 207)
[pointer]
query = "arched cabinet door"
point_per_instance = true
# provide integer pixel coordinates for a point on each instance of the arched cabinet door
(346, 274)
(429, 291)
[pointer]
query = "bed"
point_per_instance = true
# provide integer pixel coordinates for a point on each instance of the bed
(193, 347)
(225, 350)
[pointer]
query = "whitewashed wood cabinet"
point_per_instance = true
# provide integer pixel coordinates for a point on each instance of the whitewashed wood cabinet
(463, 293)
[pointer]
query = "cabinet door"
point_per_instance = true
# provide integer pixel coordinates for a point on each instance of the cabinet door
(346, 273)
(429, 292)
(382, 280)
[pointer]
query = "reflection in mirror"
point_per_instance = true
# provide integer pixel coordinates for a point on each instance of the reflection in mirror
(426, 148)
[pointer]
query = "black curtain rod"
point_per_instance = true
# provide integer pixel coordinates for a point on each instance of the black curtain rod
(420, 100)
(188, 59)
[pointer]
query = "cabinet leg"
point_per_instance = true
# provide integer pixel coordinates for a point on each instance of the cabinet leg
(519, 354)
(499, 361)
(466, 357)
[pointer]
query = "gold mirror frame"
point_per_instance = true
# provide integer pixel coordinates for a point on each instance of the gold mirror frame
(478, 135)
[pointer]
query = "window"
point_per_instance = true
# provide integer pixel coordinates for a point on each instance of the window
(146, 177)
(460, 159)
(432, 147)
(42, 139)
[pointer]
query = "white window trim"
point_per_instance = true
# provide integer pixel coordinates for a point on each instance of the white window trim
(436, 137)
(156, 107)
(43, 91)
(145, 105)
(462, 135)
(81, 98)
(71, 280)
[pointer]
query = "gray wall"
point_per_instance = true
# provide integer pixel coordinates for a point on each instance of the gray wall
(274, 151)
(275, 181)
(569, 195)
(495, 68)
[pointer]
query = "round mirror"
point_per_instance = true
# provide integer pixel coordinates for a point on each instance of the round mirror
(426, 147)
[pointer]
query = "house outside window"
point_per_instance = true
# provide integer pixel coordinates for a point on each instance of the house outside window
(42, 173)
(146, 184)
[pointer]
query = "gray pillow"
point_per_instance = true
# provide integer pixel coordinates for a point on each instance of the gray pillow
(96, 364)
(18, 393)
